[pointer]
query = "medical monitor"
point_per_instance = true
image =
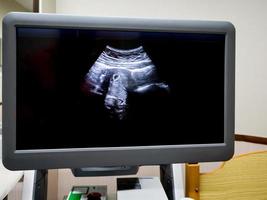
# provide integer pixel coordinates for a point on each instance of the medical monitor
(95, 91)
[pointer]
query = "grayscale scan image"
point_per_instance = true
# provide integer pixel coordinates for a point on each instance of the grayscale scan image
(110, 88)
(117, 72)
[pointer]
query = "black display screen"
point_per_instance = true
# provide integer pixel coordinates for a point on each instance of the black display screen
(79, 88)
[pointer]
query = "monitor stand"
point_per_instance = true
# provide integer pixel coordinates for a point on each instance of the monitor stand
(172, 178)
(105, 171)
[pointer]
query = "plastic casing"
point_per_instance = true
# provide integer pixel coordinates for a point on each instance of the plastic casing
(112, 156)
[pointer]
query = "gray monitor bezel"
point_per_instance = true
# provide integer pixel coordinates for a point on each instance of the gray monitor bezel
(111, 156)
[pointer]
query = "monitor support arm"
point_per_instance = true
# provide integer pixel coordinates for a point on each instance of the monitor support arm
(35, 185)
(173, 180)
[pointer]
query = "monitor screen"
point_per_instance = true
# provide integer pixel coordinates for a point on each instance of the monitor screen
(100, 88)
(125, 88)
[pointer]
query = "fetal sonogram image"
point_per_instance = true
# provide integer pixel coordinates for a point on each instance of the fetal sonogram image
(117, 72)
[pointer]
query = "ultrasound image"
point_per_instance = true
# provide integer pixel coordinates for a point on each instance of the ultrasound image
(75, 89)
(117, 72)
